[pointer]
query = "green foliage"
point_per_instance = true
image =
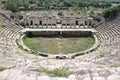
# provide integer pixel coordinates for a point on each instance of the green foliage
(101, 55)
(82, 4)
(91, 39)
(32, 1)
(61, 72)
(3, 1)
(33, 6)
(2, 26)
(2, 68)
(94, 16)
(111, 11)
(104, 0)
(67, 4)
(25, 3)
(12, 5)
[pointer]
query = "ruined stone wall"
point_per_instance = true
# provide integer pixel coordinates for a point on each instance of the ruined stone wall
(81, 22)
(44, 8)
(54, 21)
(59, 33)
(48, 21)
(77, 33)
(68, 21)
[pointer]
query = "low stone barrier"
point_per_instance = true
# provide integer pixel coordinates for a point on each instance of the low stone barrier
(63, 56)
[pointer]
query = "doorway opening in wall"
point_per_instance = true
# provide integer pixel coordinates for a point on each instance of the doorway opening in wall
(31, 22)
(59, 22)
(40, 22)
(76, 22)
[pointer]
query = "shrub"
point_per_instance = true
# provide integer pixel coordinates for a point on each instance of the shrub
(2, 68)
(101, 55)
(2, 26)
(94, 16)
(61, 72)
(111, 11)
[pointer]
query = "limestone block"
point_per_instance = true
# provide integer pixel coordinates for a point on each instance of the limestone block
(72, 77)
(114, 77)
(98, 78)
(43, 78)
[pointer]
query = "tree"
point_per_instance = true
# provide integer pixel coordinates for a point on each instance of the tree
(94, 16)
(82, 4)
(111, 11)
(67, 4)
(25, 3)
(33, 6)
(12, 5)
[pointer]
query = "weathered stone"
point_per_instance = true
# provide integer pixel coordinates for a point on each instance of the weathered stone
(79, 77)
(95, 74)
(72, 77)
(112, 71)
(43, 78)
(33, 77)
(59, 78)
(98, 78)
(104, 73)
(87, 79)
(82, 72)
(114, 77)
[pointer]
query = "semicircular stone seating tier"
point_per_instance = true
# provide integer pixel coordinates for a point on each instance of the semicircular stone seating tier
(9, 33)
(109, 34)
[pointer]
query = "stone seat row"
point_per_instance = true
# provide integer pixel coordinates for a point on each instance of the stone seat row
(108, 26)
(58, 27)
(110, 33)
(8, 34)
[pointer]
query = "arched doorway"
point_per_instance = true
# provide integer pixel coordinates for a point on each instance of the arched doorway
(31, 22)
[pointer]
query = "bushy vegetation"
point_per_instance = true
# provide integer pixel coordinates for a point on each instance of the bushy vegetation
(2, 68)
(114, 1)
(94, 16)
(60, 72)
(101, 55)
(111, 11)
(14, 5)
(2, 26)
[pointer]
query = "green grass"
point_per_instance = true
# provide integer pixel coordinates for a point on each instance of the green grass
(58, 45)
(61, 72)
(1, 16)
(101, 55)
(2, 68)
